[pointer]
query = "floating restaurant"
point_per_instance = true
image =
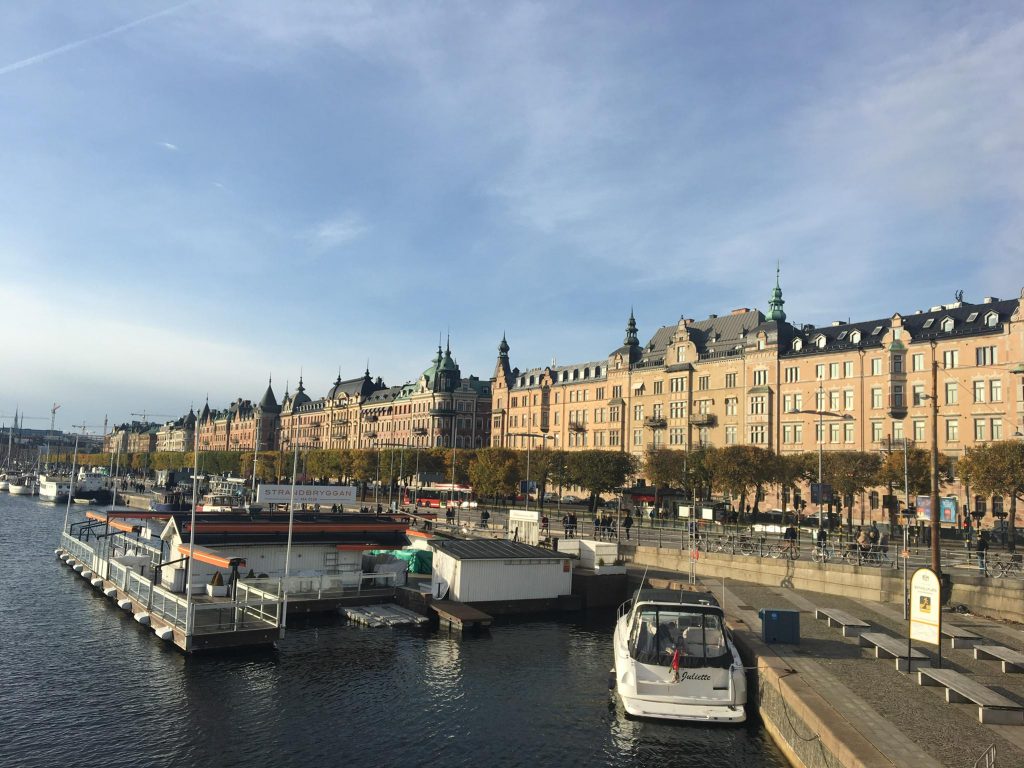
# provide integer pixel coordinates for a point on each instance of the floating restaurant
(185, 582)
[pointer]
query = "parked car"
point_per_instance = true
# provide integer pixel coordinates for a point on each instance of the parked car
(571, 500)
(552, 497)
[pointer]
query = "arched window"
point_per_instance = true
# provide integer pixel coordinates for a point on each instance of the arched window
(597, 370)
(586, 373)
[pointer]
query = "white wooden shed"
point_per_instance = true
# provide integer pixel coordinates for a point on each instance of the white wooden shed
(491, 570)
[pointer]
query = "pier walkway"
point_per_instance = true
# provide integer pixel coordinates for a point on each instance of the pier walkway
(842, 706)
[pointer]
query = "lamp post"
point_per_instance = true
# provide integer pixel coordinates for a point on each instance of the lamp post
(821, 414)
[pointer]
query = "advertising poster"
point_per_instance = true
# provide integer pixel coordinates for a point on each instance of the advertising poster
(307, 494)
(925, 607)
(948, 508)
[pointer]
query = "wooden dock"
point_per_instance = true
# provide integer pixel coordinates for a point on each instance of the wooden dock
(459, 616)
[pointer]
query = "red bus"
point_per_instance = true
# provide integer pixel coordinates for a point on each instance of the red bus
(439, 495)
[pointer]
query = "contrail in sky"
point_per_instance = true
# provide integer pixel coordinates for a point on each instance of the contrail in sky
(84, 41)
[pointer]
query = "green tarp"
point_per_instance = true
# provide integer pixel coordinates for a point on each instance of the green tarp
(419, 560)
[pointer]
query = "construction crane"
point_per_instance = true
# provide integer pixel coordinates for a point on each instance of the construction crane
(145, 416)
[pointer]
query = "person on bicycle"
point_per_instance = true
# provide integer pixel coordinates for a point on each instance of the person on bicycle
(982, 550)
(864, 541)
(789, 539)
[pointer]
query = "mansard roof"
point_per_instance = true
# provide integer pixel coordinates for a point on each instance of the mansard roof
(939, 322)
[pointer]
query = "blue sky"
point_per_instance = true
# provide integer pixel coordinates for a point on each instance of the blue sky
(195, 196)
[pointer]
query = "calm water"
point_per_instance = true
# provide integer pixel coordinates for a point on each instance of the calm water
(82, 684)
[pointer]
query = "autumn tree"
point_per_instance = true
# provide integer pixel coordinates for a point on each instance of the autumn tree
(600, 471)
(665, 468)
(741, 470)
(494, 472)
(850, 473)
(997, 469)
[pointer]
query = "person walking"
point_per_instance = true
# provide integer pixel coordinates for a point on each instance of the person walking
(982, 550)
(627, 524)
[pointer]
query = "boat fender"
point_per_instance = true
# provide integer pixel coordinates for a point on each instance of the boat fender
(611, 679)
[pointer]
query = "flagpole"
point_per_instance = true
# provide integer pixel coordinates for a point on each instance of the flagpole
(288, 546)
(191, 543)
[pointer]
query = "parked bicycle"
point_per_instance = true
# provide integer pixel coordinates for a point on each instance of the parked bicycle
(788, 547)
(822, 554)
(1000, 568)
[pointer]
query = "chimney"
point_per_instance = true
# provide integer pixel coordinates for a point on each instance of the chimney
(836, 323)
(990, 300)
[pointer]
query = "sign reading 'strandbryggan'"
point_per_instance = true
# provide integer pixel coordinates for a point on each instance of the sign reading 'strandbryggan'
(307, 494)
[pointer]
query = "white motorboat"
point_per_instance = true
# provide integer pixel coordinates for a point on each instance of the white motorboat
(5, 484)
(54, 488)
(23, 486)
(675, 659)
(93, 488)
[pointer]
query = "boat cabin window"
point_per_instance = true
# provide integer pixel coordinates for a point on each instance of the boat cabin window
(658, 631)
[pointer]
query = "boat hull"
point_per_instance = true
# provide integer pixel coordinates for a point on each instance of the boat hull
(22, 490)
(93, 497)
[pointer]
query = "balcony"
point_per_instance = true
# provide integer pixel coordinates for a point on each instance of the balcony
(370, 435)
(703, 420)
(897, 407)
(655, 422)
(577, 427)
(442, 410)
(421, 431)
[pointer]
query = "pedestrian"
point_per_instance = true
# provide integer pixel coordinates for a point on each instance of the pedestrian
(565, 526)
(873, 534)
(544, 526)
(627, 524)
(982, 550)
(484, 517)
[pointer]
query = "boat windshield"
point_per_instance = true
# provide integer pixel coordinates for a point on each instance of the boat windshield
(660, 630)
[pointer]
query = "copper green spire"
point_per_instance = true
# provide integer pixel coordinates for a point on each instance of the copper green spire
(631, 338)
(775, 310)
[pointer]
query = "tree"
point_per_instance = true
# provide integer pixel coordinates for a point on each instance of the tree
(600, 471)
(700, 471)
(850, 473)
(542, 463)
(494, 472)
(997, 469)
(665, 468)
(741, 469)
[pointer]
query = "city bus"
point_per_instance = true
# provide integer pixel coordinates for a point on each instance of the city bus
(440, 495)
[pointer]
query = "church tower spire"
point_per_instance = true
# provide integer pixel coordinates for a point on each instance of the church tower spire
(775, 310)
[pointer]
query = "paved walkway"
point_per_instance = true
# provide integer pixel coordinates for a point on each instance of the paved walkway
(911, 725)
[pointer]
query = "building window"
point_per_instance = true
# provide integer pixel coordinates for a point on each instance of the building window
(833, 401)
(849, 432)
(600, 393)
(986, 356)
(833, 370)
(787, 403)
(848, 399)
(873, 500)
(918, 394)
(787, 434)
(897, 363)
(897, 430)
(997, 429)
(876, 397)
(657, 387)
(638, 413)
(952, 430)
(819, 399)
(730, 435)
(979, 505)
(757, 404)
(819, 433)
(678, 384)
(758, 434)
(848, 369)
(819, 371)
(792, 374)
(997, 505)
(613, 438)
(677, 436)
(638, 437)
(995, 388)
(730, 406)
(876, 431)
(760, 377)
(918, 430)
(677, 410)
(798, 401)
(704, 382)
(950, 358)
(897, 395)
(979, 430)
(946, 324)
(833, 432)
(917, 362)
(613, 413)
(876, 366)
(951, 393)
(730, 380)
(656, 411)
(616, 391)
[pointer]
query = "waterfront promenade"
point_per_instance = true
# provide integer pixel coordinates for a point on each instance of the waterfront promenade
(874, 715)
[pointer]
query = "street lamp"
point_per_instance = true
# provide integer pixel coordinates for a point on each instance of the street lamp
(529, 444)
(821, 414)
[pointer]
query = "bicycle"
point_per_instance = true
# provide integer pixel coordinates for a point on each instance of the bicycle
(1005, 568)
(822, 554)
(789, 547)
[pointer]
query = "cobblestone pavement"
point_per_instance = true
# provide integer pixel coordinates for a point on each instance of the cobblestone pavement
(912, 725)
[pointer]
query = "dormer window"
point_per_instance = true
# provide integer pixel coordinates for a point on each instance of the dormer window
(946, 324)
(586, 373)
(597, 370)
(798, 344)
(820, 342)
(855, 337)
(991, 319)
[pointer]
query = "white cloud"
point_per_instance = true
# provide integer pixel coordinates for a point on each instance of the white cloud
(168, 146)
(337, 231)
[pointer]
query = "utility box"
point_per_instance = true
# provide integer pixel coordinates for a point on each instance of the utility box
(780, 626)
